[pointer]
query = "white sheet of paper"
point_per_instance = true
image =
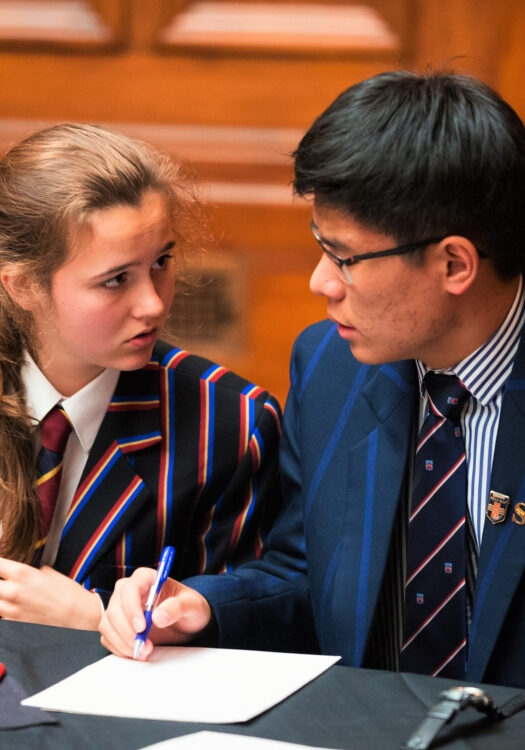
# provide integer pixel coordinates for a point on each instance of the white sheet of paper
(208, 685)
(224, 741)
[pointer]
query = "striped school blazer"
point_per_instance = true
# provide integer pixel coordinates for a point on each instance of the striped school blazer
(186, 455)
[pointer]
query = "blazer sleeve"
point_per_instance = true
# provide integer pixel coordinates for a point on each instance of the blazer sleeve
(265, 603)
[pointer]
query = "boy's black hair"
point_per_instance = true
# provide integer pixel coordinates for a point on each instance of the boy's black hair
(417, 156)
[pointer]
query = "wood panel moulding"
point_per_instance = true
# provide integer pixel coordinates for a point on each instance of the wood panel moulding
(254, 298)
(222, 154)
(245, 175)
(61, 25)
(285, 28)
(469, 36)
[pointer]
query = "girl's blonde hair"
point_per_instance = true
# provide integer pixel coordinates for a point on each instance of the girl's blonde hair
(50, 183)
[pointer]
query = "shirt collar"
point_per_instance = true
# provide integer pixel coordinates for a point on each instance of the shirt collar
(86, 408)
(485, 371)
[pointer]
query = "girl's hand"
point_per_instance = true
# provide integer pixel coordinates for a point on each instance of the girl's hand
(180, 614)
(46, 597)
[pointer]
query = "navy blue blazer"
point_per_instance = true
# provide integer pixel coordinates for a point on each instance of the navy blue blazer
(346, 438)
(187, 454)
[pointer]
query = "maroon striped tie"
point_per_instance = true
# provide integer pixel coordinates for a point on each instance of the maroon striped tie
(56, 428)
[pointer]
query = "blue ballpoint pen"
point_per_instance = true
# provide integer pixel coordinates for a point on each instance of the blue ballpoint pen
(166, 560)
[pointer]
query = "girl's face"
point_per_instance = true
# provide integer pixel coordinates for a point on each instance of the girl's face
(110, 298)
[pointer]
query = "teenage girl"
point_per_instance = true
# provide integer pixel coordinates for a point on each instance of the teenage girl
(165, 447)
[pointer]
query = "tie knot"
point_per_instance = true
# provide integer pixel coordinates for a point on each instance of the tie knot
(56, 428)
(447, 394)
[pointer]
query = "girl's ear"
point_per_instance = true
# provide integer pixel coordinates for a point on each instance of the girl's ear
(20, 286)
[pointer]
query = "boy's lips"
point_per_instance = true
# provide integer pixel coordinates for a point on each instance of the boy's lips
(341, 327)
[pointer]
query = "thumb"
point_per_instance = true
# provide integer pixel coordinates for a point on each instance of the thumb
(169, 606)
(182, 608)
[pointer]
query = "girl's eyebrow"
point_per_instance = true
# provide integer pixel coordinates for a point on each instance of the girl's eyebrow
(119, 269)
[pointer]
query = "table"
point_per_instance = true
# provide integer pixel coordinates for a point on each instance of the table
(347, 708)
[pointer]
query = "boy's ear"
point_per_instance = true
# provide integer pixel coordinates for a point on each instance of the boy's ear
(461, 263)
(20, 286)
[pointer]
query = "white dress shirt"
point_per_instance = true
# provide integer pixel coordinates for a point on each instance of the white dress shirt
(86, 410)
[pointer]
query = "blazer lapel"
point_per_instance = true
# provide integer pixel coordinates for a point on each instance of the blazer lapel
(111, 490)
(372, 460)
(502, 555)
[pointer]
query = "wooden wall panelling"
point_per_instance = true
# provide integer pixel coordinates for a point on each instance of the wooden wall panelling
(466, 35)
(278, 304)
(477, 37)
(175, 89)
(285, 28)
(236, 105)
(263, 239)
(511, 58)
(62, 25)
(234, 111)
(183, 85)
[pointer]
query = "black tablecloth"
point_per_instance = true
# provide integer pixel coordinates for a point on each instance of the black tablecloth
(358, 709)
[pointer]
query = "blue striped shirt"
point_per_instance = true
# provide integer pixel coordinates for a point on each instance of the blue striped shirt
(485, 373)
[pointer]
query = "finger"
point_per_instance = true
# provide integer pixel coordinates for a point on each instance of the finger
(112, 640)
(10, 569)
(8, 610)
(113, 646)
(124, 616)
(133, 593)
(126, 607)
(117, 632)
(11, 599)
(146, 650)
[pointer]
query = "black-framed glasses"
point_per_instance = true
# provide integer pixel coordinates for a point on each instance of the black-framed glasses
(345, 263)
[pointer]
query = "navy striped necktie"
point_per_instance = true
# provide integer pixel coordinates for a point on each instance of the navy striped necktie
(434, 633)
(56, 429)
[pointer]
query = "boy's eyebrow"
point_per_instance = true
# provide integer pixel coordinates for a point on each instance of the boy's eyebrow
(334, 244)
(119, 269)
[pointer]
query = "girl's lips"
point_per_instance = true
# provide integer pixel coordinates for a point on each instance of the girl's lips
(143, 339)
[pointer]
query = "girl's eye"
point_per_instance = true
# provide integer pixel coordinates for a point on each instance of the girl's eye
(162, 262)
(114, 282)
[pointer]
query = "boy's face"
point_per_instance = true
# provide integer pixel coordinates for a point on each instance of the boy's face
(392, 309)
